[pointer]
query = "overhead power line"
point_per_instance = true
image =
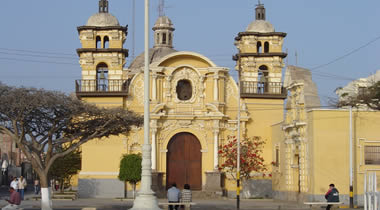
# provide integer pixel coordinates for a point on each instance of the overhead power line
(39, 52)
(36, 61)
(347, 54)
(39, 56)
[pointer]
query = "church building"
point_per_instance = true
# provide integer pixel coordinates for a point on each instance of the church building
(193, 103)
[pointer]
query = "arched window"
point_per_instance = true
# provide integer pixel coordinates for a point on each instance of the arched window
(106, 42)
(98, 41)
(102, 77)
(184, 90)
(266, 47)
(259, 47)
(164, 38)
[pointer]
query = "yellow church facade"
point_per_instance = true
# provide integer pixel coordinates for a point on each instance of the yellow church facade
(193, 103)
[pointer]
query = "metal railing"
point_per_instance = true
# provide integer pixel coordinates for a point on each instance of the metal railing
(257, 89)
(102, 86)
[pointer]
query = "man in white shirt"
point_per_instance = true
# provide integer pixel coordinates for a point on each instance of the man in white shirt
(14, 184)
(174, 194)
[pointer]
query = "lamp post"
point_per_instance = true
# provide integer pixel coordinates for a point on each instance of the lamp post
(146, 199)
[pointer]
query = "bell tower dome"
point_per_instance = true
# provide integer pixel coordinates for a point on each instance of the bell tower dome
(163, 32)
(260, 58)
(102, 56)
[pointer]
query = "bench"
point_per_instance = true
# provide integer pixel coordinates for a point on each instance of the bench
(56, 197)
(311, 204)
(187, 205)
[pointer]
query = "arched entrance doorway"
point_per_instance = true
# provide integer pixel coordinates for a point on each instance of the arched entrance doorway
(184, 161)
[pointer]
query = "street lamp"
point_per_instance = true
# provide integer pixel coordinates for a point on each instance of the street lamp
(146, 199)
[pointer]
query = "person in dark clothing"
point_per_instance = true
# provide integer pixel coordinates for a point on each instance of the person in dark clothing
(332, 195)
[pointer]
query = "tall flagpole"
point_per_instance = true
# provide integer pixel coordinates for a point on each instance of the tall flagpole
(146, 199)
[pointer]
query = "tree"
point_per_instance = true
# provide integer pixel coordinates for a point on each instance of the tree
(367, 96)
(251, 159)
(43, 122)
(130, 169)
(64, 168)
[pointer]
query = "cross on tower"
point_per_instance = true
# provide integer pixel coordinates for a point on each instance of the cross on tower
(103, 6)
(161, 7)
(260, 11)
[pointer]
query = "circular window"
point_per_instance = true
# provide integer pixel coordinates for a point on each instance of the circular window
(184, 90)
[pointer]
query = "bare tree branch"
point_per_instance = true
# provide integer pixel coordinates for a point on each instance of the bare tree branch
(42, 122)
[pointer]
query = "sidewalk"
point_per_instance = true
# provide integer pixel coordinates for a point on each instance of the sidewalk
(111, 204)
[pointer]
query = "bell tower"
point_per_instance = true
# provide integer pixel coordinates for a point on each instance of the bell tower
(260, 58)
(163, 32)
(102, 56)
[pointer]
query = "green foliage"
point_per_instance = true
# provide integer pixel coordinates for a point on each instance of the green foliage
(130, 168)
(65, 167)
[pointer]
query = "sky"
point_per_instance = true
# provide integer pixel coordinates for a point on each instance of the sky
(39, 38)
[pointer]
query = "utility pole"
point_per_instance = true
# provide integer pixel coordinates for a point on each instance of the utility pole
(133, 29)
(351, 163)
(238, 140)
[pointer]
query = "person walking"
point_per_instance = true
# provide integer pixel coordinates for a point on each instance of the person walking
(186, 196)
(332, 195)
(56, 185)
(14, 184)
(173, 196)
(36, 186)
(21, 186)
(14, 200)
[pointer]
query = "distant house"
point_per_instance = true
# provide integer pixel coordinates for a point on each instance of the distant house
(357, 87)
(16, 159)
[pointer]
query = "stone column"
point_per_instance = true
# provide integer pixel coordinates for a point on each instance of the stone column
(216, 88)
(201, 89)
(154, 144)
(154, 87)
(216, 149)
(168, 87)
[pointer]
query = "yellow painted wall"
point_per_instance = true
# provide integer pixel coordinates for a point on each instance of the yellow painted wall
(278, 173)
(187, 60)
(328, 139)
(331, 135)
(264, 113)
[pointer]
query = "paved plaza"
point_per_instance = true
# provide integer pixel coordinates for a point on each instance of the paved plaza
(117, 204)
(108, 204)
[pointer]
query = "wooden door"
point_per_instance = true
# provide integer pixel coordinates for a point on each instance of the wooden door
(184, 161)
